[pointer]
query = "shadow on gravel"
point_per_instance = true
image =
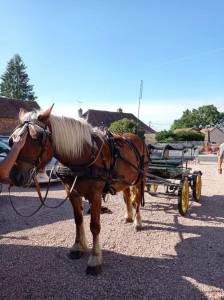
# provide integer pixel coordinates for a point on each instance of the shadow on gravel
(34, 272)
(27, 205)
(168, 207)
(210, 210)
(46, 273)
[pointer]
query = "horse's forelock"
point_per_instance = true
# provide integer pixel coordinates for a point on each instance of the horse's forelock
(29, 116)
(26, 117)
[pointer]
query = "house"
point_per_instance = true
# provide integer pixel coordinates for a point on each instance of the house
(102, 118)
(9, 112)
(213, 135)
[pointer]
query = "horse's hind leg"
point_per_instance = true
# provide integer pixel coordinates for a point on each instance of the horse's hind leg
(127, 194)
(137, 194)
(80, 245)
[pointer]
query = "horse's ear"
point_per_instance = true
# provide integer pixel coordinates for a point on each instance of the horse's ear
(21, 113)
(44, 116)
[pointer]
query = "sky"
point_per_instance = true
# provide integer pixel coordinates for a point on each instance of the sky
(93, 54)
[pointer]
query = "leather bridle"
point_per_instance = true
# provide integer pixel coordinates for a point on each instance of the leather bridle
(43, 134)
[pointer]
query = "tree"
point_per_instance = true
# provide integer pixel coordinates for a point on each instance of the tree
(15, 80)
(165, 136)
(126, 125)
(204, 115)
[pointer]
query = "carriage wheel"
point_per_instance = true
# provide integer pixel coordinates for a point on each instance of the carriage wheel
(197, 186)
(152, 188)
(184, 197)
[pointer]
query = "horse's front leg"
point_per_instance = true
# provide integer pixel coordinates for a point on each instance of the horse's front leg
(80, 245)
(95, 260)
(138, 196)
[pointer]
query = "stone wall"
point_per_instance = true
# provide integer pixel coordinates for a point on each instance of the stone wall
(150, 138)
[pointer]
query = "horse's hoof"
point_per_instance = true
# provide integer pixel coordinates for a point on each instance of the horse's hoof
(75, 254)
(105, 210)
(94, 270)
(138, 227)
(128, 220)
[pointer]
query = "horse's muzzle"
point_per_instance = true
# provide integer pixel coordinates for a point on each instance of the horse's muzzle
(21, 177)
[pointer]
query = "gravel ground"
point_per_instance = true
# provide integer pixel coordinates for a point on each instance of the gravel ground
(173, 257)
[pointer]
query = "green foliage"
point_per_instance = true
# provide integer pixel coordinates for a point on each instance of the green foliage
(169, 136)
(164, 135)
(15, 80)
(204, 115)
(189, 136)
(126, 125)
(221, 118)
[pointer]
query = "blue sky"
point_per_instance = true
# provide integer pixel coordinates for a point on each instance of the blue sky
(97, 52)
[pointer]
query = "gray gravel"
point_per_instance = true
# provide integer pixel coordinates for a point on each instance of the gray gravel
(173, 257)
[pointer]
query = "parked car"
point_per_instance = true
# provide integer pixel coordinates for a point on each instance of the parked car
(4, 150)
(43, 176)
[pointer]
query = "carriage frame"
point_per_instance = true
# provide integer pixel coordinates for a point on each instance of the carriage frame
(169, 168)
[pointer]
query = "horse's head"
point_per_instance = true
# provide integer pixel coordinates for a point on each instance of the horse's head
(37, 150)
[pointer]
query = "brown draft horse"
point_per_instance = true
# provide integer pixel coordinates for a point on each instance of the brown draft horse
(71, 142)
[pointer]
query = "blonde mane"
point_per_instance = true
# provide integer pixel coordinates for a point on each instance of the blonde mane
(68, 135)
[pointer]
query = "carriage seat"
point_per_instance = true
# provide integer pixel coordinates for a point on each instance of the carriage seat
(167, 162)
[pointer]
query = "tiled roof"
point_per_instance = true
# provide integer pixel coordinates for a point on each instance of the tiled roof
(104, 118)
(9, 108)
(9, 111)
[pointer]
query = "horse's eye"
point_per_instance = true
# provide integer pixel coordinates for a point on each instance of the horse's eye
(10, 142)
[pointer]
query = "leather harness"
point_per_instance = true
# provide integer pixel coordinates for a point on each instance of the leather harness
(105, 173)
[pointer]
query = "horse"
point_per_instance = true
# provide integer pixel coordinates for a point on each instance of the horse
(103, 164)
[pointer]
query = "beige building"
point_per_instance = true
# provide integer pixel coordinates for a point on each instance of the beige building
(213, 135)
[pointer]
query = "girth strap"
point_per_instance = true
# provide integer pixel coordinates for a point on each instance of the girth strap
(140, 160)
(91, 172)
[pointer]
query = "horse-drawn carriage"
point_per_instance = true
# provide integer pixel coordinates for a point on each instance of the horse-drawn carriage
(100, 164)
(168, 167)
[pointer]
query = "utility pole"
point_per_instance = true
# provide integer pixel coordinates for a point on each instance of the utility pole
(79, 103)
(80, 112)
(139, 100)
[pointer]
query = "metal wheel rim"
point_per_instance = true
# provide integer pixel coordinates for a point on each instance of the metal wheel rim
(185, 196)
(154, 187)
(198, 187)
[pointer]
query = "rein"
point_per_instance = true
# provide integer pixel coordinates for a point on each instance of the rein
(35, 165)
(41, 128)
(41, 198)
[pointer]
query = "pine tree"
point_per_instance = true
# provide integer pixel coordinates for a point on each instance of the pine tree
(15, 81)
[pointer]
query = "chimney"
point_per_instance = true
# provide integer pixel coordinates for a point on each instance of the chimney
(80, 113)
(119, 110)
